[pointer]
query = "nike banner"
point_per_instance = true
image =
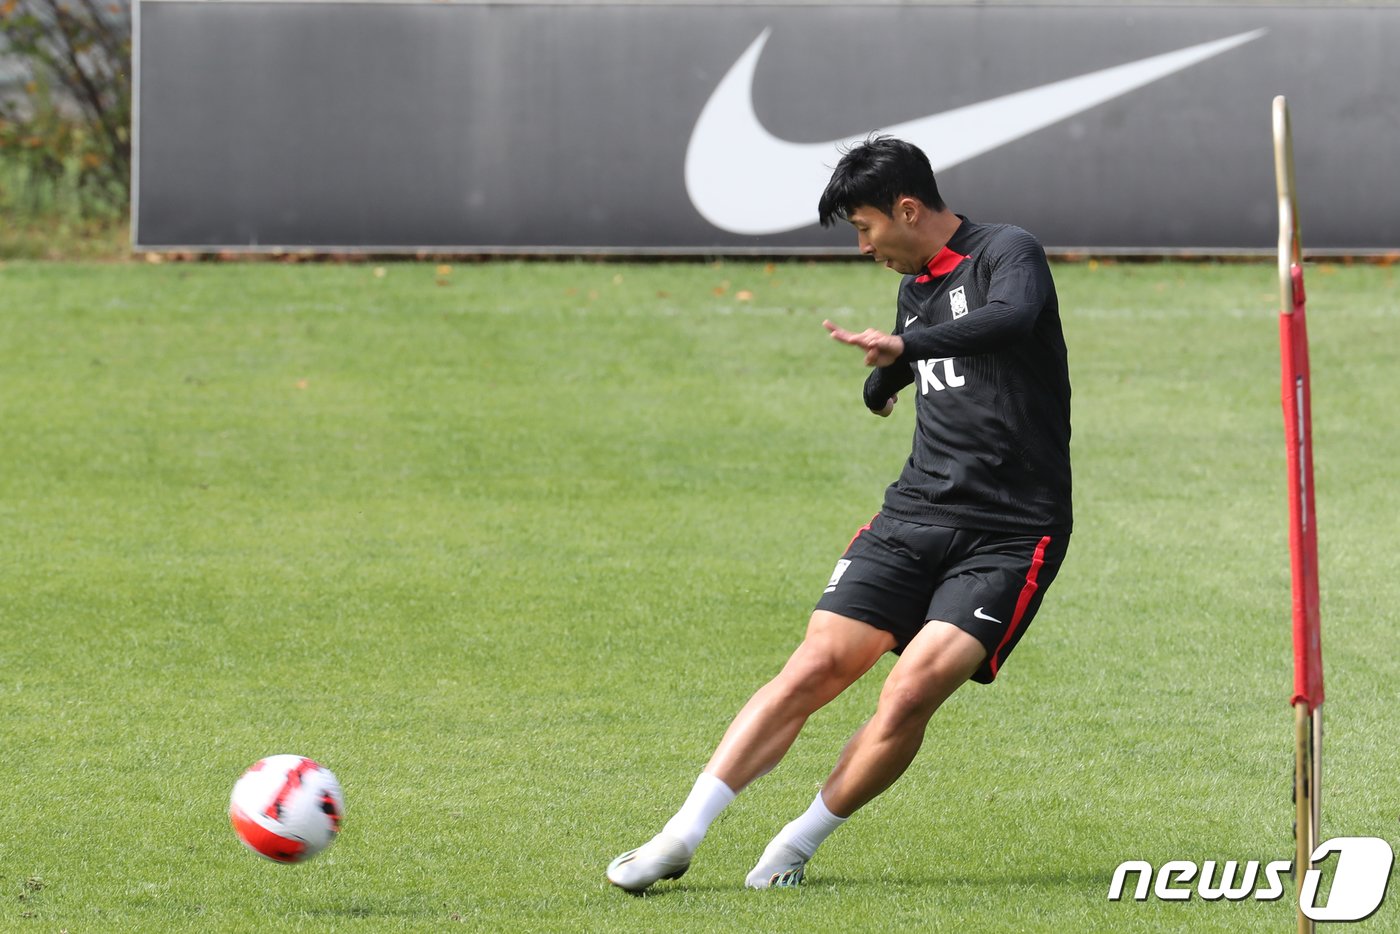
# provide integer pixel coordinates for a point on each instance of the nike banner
(686, 128)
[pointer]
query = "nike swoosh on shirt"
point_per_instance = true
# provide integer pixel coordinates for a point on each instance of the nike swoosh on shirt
(909, 321)
(745, 180)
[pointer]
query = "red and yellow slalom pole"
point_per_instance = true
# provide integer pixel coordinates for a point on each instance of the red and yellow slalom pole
(1302, 509)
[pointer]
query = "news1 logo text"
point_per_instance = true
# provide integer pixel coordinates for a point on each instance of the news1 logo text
(1359, 880)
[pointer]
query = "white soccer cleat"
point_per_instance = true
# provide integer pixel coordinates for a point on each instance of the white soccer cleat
(661, 857)
(780, 867)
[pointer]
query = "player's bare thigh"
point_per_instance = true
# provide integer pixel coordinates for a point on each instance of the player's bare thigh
(836, 650)
(936, 663)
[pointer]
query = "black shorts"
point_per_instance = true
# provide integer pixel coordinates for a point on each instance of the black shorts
(898, 575)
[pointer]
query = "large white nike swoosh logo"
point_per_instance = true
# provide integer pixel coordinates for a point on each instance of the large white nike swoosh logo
(745, 180)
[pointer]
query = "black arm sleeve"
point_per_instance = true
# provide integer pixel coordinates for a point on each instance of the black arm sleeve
(1020, 286)
(884, 381)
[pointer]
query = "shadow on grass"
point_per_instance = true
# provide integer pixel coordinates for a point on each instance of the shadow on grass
(1086, 879)
(424, 913)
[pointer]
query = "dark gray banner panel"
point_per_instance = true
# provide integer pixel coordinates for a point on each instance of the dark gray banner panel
(712, 129)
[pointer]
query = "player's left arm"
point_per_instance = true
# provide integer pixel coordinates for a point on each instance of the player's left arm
(1019, 288)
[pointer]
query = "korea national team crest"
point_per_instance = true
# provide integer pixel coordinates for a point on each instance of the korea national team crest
(958, 299)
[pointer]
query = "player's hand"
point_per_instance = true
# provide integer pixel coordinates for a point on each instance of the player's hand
(881, 349)
(889, 407)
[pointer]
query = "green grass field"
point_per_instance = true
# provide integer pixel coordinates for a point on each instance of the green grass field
(506, 547)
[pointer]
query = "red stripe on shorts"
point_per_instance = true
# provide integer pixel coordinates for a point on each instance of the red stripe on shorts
(863, 528)
(1022, 602)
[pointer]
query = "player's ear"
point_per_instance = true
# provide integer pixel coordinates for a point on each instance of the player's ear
(908, 210)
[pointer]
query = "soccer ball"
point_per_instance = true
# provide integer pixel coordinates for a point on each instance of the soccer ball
(287, 808)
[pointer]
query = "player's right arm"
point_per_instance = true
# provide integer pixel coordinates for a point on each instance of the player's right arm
(884, 382)
(882, 386)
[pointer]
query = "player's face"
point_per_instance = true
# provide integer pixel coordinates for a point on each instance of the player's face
(887, 239)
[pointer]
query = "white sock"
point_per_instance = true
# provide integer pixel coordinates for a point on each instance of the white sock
(707, 799)
(807, 832)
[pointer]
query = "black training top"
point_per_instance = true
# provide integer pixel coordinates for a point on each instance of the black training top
(984, 350)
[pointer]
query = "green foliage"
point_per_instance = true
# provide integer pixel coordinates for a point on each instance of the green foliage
(64, 238)
(505, 545)
(65, 144)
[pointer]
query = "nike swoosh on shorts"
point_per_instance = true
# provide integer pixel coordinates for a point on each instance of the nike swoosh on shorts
(745, 180)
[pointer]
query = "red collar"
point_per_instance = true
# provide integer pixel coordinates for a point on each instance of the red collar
(944, 262)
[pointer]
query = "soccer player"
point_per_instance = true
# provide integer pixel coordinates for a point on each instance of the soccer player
(950, 573)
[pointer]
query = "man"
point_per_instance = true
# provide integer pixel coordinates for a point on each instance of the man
(951, 571)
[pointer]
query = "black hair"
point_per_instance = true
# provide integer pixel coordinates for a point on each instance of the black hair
(878, 172)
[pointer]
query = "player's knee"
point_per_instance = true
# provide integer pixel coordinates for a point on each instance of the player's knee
(818, 672)
(906, 703)
(814, 676)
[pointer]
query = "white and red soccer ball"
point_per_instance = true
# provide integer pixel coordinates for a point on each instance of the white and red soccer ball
(287, 808)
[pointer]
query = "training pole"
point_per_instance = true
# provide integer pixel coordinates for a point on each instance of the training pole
(1302, 511)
